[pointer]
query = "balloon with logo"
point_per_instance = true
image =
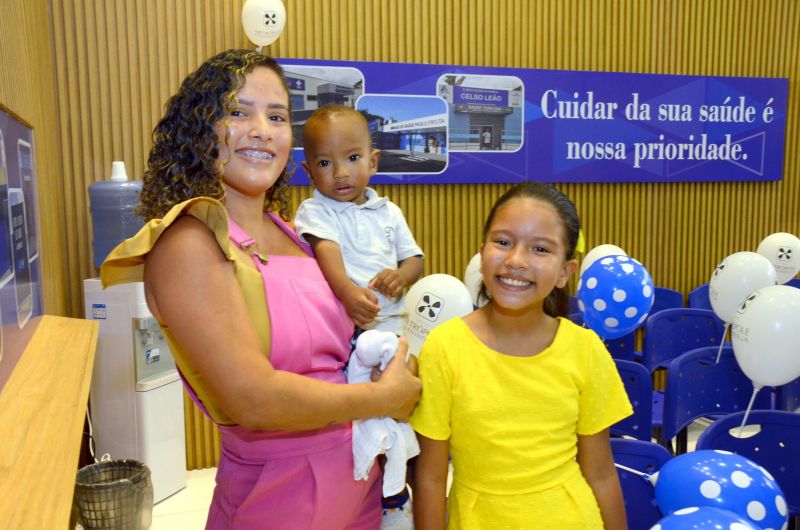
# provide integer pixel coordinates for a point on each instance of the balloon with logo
(721, 479)
(600, 251)
(473, 278)
(766, 335)
(263, 20)
(734, 279)
(783, 251)
(615, 294)
(704, 518)
(431, 301)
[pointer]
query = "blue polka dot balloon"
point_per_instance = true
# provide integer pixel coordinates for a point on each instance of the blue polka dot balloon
(615, 294)
(704, 518)
(725, 480)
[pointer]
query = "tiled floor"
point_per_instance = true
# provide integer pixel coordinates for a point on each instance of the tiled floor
(187, 509)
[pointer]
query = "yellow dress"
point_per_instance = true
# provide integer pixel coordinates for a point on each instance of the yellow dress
(513, 422)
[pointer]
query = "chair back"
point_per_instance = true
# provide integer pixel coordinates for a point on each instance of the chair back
(641, 508)
(697, 387)
(787, 397)
(639, 386)
(774, 447)
(698, 298)
(620, 348)
(672, 332)
(665, 298)
(572, 304)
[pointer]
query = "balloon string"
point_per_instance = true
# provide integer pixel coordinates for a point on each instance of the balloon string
(722, 342)
(635, 472)
(749, 407)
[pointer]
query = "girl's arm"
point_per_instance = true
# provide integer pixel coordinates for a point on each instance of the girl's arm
(192, 288)
(597, 466)
(430, 483)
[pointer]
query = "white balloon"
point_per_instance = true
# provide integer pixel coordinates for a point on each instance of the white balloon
(263, 20)
(766, 335)
(783, 251)
(432, 300)
(739, 275)
(600, 251)
(473, 278)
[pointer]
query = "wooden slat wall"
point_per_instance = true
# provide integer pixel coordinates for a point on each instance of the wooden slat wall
(27, 90)
(118, 61)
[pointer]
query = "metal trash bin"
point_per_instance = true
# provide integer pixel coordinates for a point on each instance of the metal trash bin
(114, 495)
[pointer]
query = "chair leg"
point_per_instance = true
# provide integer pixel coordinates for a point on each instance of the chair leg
(667, 444)
(682, 441)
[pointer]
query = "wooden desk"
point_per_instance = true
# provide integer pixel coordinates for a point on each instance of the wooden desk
(42, 409)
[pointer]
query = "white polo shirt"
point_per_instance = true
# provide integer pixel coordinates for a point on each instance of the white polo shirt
(372, 237)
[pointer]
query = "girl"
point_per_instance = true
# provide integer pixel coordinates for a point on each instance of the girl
(519, 396)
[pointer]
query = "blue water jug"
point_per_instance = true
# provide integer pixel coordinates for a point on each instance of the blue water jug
(112, 204)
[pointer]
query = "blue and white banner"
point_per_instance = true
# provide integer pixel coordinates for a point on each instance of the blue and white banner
(455, 124)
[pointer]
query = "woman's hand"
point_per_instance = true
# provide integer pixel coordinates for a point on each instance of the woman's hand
(400, 384)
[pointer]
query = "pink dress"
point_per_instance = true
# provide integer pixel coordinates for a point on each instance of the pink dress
(296, 480)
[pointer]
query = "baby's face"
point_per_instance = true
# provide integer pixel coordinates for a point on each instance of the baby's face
(339, 157)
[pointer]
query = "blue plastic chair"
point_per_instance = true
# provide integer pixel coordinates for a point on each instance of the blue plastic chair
(623, 348)
(665, 298)
(671, 332)
(697, 386)
(787, 397)
(698, 298)
(641, 508)
(639, 387)
(775, 446)
(620, 348)
(572, 305)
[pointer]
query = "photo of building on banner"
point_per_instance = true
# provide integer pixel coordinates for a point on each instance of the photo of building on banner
(485, 111)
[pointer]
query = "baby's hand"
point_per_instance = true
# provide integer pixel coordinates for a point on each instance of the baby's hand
(390, 282)
(361, 304)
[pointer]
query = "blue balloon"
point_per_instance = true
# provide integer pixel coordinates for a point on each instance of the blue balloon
(702, 518)
(615, 294)
(724, 480)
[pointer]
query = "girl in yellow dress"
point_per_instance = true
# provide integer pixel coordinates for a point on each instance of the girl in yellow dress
(520, 397)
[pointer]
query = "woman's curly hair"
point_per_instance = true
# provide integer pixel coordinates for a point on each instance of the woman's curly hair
(182, 162)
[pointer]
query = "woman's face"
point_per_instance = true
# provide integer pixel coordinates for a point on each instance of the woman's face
(259, 136)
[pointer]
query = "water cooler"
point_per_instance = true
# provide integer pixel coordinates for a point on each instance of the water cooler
(136, 395)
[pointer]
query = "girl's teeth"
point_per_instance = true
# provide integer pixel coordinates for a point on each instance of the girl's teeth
(514, 283)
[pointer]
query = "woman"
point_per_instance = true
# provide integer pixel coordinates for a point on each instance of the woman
(254, 328)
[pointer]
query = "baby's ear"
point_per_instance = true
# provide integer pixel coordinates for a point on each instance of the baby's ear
(374, 159)
(307, 170)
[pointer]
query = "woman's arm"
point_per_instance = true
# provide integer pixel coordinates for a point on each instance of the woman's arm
(597, 466)
(430, 483)
(192, 288)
